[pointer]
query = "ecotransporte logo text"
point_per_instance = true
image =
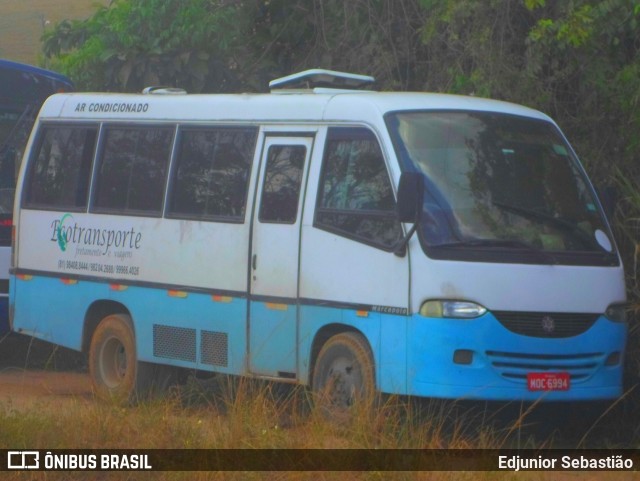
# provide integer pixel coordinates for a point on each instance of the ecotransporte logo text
(67, 232)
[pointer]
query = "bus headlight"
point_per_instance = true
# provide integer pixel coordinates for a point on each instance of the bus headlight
(453, 309)
(616, 313)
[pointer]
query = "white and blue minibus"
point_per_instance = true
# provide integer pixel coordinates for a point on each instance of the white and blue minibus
(347, 240)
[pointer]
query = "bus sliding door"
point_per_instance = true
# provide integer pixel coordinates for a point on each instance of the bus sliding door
(274, 262)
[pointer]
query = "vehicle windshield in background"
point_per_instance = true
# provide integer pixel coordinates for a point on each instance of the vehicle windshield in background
(23, 89)
(500, 183)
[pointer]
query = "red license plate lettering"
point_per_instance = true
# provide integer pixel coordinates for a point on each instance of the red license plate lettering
(548, 381)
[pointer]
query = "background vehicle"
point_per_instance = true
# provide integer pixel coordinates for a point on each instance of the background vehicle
(23, 89)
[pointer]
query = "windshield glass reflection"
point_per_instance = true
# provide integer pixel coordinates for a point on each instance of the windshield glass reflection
(496, 180)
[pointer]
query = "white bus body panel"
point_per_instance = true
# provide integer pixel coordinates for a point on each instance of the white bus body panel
(171, 252)
(516, 287)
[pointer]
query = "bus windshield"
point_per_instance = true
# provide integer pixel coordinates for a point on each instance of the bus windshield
(499, 184)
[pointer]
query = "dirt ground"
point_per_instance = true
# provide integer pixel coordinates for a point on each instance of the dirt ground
(32, 371)
(23, 389)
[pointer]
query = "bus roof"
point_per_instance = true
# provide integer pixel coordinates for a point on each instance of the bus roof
(302, 106)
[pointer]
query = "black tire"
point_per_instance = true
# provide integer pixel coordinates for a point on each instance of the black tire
(116, 373)
(344, 375)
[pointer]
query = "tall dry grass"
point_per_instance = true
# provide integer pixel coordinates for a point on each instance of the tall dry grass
(230, 413)
(626, 223)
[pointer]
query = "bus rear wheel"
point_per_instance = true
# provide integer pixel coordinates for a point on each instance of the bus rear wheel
(115, 372)
(344, 376)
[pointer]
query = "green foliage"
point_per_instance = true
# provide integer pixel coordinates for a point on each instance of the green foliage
(132, 44)
(533, 4)
(221, 46)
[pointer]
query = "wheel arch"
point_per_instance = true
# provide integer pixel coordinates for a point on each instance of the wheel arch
(97, 311)
(324, 334)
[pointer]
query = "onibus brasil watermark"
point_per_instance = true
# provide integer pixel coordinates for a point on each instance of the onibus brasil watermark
(33, 460)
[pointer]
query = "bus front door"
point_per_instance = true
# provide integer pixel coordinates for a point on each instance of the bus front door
(274, 263)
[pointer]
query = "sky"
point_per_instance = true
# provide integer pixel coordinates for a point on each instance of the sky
(22, 23)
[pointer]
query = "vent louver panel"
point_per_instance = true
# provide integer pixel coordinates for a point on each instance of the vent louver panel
(174, 343)
(214, 348)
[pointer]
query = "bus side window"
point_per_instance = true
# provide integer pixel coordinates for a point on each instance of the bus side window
(58, 177)
(211, 176)
(133, 170)
(355, 195)
(282, 181)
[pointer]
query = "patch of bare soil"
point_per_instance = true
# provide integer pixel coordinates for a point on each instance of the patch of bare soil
(25, 352)
(24, 389)
(33, 372)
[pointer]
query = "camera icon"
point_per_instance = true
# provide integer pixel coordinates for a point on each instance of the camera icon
(23, 460)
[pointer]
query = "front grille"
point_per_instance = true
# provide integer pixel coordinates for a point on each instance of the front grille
(514, 366)
(543, 324)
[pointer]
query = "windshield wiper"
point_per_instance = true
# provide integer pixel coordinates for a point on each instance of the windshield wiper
(577, 233)
(504, 244)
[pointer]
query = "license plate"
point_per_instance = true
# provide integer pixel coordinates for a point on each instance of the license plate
(548, 381)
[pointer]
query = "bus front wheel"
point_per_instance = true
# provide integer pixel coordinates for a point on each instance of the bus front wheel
(114, 369)
(344, 375)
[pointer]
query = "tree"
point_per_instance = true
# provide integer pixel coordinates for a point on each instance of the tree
(132, 44)
(222, 46)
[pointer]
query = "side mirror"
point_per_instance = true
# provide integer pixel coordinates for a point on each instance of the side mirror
(410, 197)
(409, 206)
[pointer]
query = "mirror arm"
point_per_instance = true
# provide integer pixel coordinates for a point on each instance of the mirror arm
(401, 249)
